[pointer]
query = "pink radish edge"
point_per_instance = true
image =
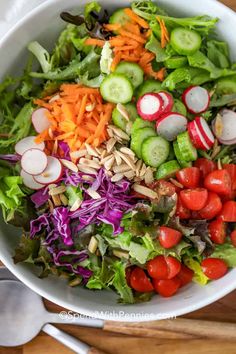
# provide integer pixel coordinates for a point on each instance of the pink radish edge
(40, 120)
(149, 106)
(29, 181)
(175, 122)
(205, 130)
(34, 161)
(28, 143)
(168, 101)
(196, 136)
(52, 173)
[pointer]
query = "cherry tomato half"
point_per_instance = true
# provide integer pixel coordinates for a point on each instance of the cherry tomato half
(163, 267)
(194, 199)
(228, 212)
(169, 237)
(181, 211)
(185, 275)
(163, 187)
(218, 181)
(167, 287)
(217, 230)
(212, 208)
(206, 166)
(231, 168)
(189, 177)
(214, 268)
(233, 238)
(139, 281)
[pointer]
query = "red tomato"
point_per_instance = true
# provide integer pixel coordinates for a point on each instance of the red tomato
(218, 181)
(194, 199)
(167, 287)
(163, 267)
(139, 281)
(181, 211)
(163, 187)
(195, 215)
(185, 275)
(214, 268)
(128, 272)
(217, 230)
(228, 212)
(212, 208)
(189, 177)
(169, 237)
(231, 168)
(206, 166)
(233, 238)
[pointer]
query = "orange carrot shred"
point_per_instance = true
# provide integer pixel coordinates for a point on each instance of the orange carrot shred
(136, 18)
(82, 110)
(95, 42)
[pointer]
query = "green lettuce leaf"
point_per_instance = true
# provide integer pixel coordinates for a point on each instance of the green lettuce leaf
(227, 252)
(154, 46)
(92, 6)
(199, 277)
(41, 54)
(218, 53)
(73, 194)
(120, 284)
(26, 250)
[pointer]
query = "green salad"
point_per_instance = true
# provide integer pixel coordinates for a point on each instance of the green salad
(117, 152)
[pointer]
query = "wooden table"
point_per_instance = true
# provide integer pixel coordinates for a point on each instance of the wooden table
(222, 310)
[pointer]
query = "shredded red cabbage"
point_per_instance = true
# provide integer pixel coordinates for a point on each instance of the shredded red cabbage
(65, 148)
(40, 197)
(13, 158)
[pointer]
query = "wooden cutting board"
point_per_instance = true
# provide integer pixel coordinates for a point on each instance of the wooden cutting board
(222, 310)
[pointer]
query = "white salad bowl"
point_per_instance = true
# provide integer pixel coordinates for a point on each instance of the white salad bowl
(44, 24)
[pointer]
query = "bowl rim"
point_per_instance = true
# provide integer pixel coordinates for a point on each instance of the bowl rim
(66, 303)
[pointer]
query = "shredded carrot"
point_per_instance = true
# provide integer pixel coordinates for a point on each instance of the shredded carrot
(94, 41)
(112, 27)
(132, 28)
(136, 18)
(164, 32)
(116, 60)
(82, 110)
(131, 35)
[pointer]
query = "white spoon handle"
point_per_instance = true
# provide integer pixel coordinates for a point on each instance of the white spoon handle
(76, 345)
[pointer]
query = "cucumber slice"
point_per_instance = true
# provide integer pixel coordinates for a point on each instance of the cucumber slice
(116, 88)
(139, 123)
(120, 17)
(149, 86)
(226, 85)
(187, 150)
(179, 107)
(185, 41)
(138, 138)
(179, 157)
(176, 62)
(155, 151)
(167, 169)
(120, 120)
(132, 71)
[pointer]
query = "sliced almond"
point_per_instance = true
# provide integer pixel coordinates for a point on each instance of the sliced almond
(218, 126)
(64, 199)
(128, 160)
(93, 194)
(70, 165)
(90, 107)
(108, 164)
(110, 133)
(57, 190)
(117, 158)
(103, 154)
(88, 178)
(51, 206)
(96, 159)
(142, 170)
(77, 154)
(176, 183)
(144, 191)
(110, 144)
(53, 185)
(127, 151)
(148, 177)
(138, 167)
(54, 98)
(55, 147)
(89, 163)
(91, 151)
(128, 127)
(86, 169)
(108, 157)
(121, 168)
(56, 200)
(99, 150)
(93, 244)
(117, 177)
(50, 133)
(123, 111)
(88, 157)
(75, 282)
(119, 133)
(130, 174)
(76, 205)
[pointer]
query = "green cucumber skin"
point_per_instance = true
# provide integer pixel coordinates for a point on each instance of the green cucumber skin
(179, 107)
(187, 150)
(167, 169)
(178, 42)
(138, 137)
(149, 86)
(176, 62)
(119, 16)
(124, 92)
(179, 157)
(132, 71)
(139, 123)
(120, 121)
(155, 151)
(226, 85)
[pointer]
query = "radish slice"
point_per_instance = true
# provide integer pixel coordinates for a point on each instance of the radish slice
(196, 136)
(228, 121)
(170, 125)
(40, 120)
(196, 99)
(149, 106)
(205, 131)
(52, 173)
(168, 101)
(28, 143)
(34, 161)
(29, 181)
